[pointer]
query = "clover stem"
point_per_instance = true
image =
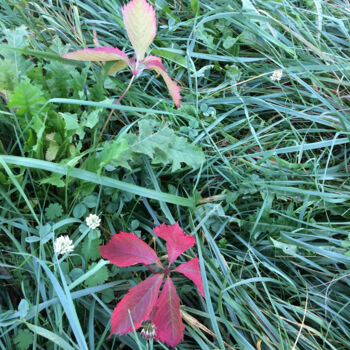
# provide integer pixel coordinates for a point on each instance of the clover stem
(112, 111)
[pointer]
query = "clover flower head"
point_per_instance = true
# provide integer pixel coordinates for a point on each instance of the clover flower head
(148, 331)
(93, 221)
(277, 75)
(63, 245)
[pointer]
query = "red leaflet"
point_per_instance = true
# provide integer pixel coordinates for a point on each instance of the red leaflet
(155, 63)
(177, 241)
(127, 249)
(139, 301)
(192, 271)
(167, 318)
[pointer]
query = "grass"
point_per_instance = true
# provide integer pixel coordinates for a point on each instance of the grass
(271, 212)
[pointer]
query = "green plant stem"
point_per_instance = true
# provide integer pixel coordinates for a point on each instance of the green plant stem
(112, 111)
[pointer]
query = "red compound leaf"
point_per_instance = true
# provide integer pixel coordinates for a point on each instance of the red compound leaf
(126, 249)
(191, 270)
(139, 302)
(167, 317)
(177, 241)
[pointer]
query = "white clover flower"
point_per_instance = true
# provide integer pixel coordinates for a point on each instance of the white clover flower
(63, 245)
(148, 331)
(277, 75)
(93, 221)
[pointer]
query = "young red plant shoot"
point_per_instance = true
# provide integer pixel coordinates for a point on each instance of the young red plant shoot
(141, 26)
(143, 302)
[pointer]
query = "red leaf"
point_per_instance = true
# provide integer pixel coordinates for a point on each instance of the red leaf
(139, 301)
(167, 317)
(177, 241)
(192, 271)
(106, 53)
(141, 25)
(125, 249)
(155, 63)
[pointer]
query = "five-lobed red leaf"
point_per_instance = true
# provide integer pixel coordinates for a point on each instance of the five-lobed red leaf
(177, 241)
(167, 317)
(139, 302)
(126, 249)
(191, 270)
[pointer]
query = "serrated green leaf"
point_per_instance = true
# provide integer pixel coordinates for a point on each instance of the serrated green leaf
(71, 121)
(53, 211)
(111, 151)
(98, 278)
(8, 76)
(89, 120)
(54, 179)
(90, 248)
(229, 42)
(180, 151)
(16, 38)
(23, 340)
(163, 146)
(27, 98)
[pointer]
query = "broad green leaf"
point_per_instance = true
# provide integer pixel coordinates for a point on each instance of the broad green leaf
(90, 248)
(27, 98)
(163, 146)
(23, 340)
(97, 278)
(8, 76)
(54, 179)
(71, 121)
(89, 120)
(16, 38)
(111, 151)
(141, 25)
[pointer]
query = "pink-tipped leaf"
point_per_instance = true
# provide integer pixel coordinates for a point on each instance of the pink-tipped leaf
(139, 302)
(167, 317)
(106, 53)
(177, 241)
(155, 63)
(126, 249)
(191, 270)
(141, 25)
